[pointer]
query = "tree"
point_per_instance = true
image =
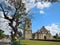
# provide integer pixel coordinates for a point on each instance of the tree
(1, 34)
(47, 0)
(18, 16)
(56, 36)
(20, 34)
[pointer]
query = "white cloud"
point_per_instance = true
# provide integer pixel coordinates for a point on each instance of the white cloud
(42, 12)
(42, 5)
(31, 4)
(1, 16)
(47, 4)
(4, 24)
(54, 28)
(32, 1)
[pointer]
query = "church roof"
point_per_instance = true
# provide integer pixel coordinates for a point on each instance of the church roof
(43, 29)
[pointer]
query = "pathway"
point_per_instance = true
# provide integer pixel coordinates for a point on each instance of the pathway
(4, 42)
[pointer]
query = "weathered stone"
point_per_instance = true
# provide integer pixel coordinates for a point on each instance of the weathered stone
(43, 33)
(28, 30)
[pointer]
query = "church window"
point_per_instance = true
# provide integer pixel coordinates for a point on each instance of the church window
(28, 26)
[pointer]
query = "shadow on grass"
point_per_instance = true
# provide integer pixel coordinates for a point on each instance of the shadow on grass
(46, 40)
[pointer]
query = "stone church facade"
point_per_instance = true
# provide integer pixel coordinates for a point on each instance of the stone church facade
(43, 33)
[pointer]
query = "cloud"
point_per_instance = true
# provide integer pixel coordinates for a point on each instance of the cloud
(54, 28)
(29, 4)
(42, 5)
(1, 16)
(42, 12)
(4, 24)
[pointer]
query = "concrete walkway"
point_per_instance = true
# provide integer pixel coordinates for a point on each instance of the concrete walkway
(4, 41)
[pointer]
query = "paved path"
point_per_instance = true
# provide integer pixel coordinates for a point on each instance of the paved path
(4, 42)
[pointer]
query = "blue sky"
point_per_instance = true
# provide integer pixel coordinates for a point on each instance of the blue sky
(45, 14)
(51, 16)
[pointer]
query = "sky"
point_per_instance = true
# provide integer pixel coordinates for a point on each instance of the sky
(45, 14)
(48, 17)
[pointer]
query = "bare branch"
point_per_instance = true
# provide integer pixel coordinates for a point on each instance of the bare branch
(5, 15)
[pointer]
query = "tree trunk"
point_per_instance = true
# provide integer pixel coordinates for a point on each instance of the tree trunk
(13, 32)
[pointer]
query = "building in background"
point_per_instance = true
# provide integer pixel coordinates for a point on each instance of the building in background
(43, 33)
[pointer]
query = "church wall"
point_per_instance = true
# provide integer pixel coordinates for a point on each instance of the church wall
(35, 36)
(41, 36)
(28, 34)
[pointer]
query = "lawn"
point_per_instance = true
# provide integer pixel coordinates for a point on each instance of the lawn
(32, 42)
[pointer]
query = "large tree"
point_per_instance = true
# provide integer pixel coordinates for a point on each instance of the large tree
(19, 14)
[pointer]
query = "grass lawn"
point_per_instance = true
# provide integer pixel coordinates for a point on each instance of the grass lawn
(32, 42)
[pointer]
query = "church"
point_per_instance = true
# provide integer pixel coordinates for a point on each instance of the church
(42, 33)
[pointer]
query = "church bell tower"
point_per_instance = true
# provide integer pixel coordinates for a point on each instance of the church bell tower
(28, 30)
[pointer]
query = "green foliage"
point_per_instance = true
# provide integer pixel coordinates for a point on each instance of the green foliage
(58, 37)
(20, 34)
(1, 34)
(16, 42)
(54, 36)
